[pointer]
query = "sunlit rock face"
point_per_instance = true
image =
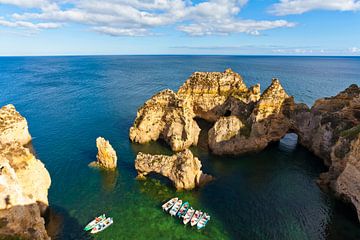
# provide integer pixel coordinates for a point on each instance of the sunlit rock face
(209, 92)
(251, 131)
(182, 168)
(166, 116)
(13, 126)
(106, 156)
(24, 181)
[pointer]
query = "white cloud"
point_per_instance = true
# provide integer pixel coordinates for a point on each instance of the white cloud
(287, 7)
(29, 25)
(354, 50)
(139, 17)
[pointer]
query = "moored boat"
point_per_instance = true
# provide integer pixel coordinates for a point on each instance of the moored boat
(195, 219)
(188, 215)
(166, 206)
(183, 209)
(102, 225)
(94, 222)
(203, 221)
(175, 208)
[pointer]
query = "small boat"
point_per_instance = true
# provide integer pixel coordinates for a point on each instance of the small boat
(188, 215)
(94, 222)
(175, 208)
(203, 221)
(102, 225)
(183, 209)
(166, 206)
(195, 219)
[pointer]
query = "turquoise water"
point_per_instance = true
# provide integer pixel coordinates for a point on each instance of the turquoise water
(70, 101)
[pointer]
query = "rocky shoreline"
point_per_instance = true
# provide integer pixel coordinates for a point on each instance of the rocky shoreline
(244, 120)
(24, 180)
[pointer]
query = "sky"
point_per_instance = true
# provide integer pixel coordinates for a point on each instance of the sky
(236, 27)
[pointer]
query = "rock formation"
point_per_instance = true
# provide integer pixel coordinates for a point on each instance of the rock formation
(182, 168)
(331, 130)
(168, 117)
(24, 181)
(106, 157)
(263, 122)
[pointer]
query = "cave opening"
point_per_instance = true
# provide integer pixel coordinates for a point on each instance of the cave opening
(205, 126)
(227, 113)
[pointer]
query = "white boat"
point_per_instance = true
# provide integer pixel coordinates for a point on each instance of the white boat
(195, 219)
(175, 208)
(188, 215)
(203, 221)
(166, 206)
(93, 223)
(102, 225)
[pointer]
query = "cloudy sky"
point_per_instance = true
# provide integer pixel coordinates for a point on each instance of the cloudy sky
(276, 27)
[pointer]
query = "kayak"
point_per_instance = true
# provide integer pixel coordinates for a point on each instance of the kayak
(166, 206)
(183, 209)
(195, 219)
(102, 225)
(188, 215)
(203, 221)
(175, 208)
(94, 222)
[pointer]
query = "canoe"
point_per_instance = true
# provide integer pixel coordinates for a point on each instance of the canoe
(93, 223)
(166, 206)
(188, 215)
(102, 225)
(183, 209)
(203, 221)
(175, 208)
(195, 219)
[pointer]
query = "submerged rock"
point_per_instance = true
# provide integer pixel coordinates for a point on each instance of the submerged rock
(106, 156)
(183, 169)
(24, 181)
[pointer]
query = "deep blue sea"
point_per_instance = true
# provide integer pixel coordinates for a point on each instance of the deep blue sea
(70, 101)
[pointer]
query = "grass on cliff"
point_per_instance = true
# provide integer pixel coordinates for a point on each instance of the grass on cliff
(350, 133)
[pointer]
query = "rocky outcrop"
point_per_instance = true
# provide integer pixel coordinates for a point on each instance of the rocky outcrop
(331, 130)
(211, 93)
(106, 156)
(13, 126)
(183, 169)
(168, 117)
(24, 181)
(263, 123)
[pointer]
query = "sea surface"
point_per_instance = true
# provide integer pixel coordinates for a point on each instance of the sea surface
(70, 101)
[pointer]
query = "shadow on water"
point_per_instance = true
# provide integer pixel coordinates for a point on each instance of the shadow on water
(60, 225)
(109, 179)
(273, 195)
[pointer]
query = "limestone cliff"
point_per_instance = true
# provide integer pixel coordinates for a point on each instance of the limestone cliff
(183, 169)
(263, 123)
(24, 181)
(106, 157)
(168, 117)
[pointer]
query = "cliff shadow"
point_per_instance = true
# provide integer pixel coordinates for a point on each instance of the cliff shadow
(60, 225)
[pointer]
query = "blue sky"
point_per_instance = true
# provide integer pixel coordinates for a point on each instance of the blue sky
(279, 27)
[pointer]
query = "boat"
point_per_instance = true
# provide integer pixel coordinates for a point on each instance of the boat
(102, 225)
(183, 209)
(94, 222)
(166, 206)
(203, 221)
(175, 208)
(195, 219)
(188, 215)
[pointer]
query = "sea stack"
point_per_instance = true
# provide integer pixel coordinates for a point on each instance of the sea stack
(24, 181)
(182, 168)
(106, 156)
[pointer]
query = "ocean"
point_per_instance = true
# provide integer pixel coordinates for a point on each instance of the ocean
(71, 100)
